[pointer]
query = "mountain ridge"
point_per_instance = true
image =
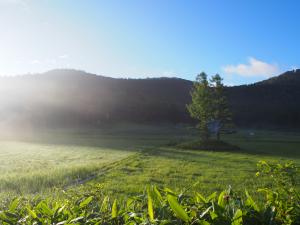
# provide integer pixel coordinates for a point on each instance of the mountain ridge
(76, 98)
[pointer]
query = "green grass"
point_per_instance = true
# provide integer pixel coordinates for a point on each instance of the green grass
(280, 205)
(125, 159)
(212, 171)
(41, 161)
(32, 167)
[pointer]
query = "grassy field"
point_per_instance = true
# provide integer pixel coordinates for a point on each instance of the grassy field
(209, 170)
(125, 159)
(42, 160)
(31, 167)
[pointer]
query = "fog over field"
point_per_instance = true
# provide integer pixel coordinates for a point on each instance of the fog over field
(71, 98)
(149, 112)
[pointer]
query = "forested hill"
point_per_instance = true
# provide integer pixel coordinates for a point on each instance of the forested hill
(75, 98)
(272, 102)
(64, 98)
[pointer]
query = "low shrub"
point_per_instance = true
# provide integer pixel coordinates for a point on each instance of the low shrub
(164, 206)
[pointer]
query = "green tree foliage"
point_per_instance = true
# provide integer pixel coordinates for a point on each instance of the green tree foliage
(201, 105)
(220, 107)
(209, 104)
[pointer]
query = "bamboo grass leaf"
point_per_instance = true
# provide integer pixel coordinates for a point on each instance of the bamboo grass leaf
(177, 208)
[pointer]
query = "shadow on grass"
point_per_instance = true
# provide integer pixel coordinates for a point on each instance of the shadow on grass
(288, 150)
(144, 139)
(212, 145)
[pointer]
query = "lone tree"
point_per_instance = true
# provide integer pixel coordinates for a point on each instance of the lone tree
(209, 105)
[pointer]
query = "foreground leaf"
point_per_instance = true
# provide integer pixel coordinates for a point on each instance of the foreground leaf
(237, 218)
(150, 207)
(85, 202)
(177, 208)
(114, 210)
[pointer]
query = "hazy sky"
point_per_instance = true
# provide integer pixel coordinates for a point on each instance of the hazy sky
(244, 41)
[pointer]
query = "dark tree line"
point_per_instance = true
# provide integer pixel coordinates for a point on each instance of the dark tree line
(272, 103)
(75, 98)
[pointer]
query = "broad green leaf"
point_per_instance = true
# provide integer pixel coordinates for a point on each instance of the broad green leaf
(169, 191)
(85, 202)
(104, 205)
(177, 208)
(150, 207)
(157, 193)
(2, 215)
(129, 203)
(42, 207)
(250, 202)
(211, 197)
(213, 215)
(200, 198)
(114, 210)
(60, 209)
(32, 213)
(13, 205)
(221, 199)
(237, 218)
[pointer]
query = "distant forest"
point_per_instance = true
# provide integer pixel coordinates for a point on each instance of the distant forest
(67, 98)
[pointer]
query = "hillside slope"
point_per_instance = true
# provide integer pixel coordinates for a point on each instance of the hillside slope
(272, 102)
(75, 98)
(63, 98)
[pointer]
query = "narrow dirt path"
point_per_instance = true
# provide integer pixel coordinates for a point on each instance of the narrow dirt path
(101, 172)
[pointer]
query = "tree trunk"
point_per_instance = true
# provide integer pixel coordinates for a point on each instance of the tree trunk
(205, 134)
